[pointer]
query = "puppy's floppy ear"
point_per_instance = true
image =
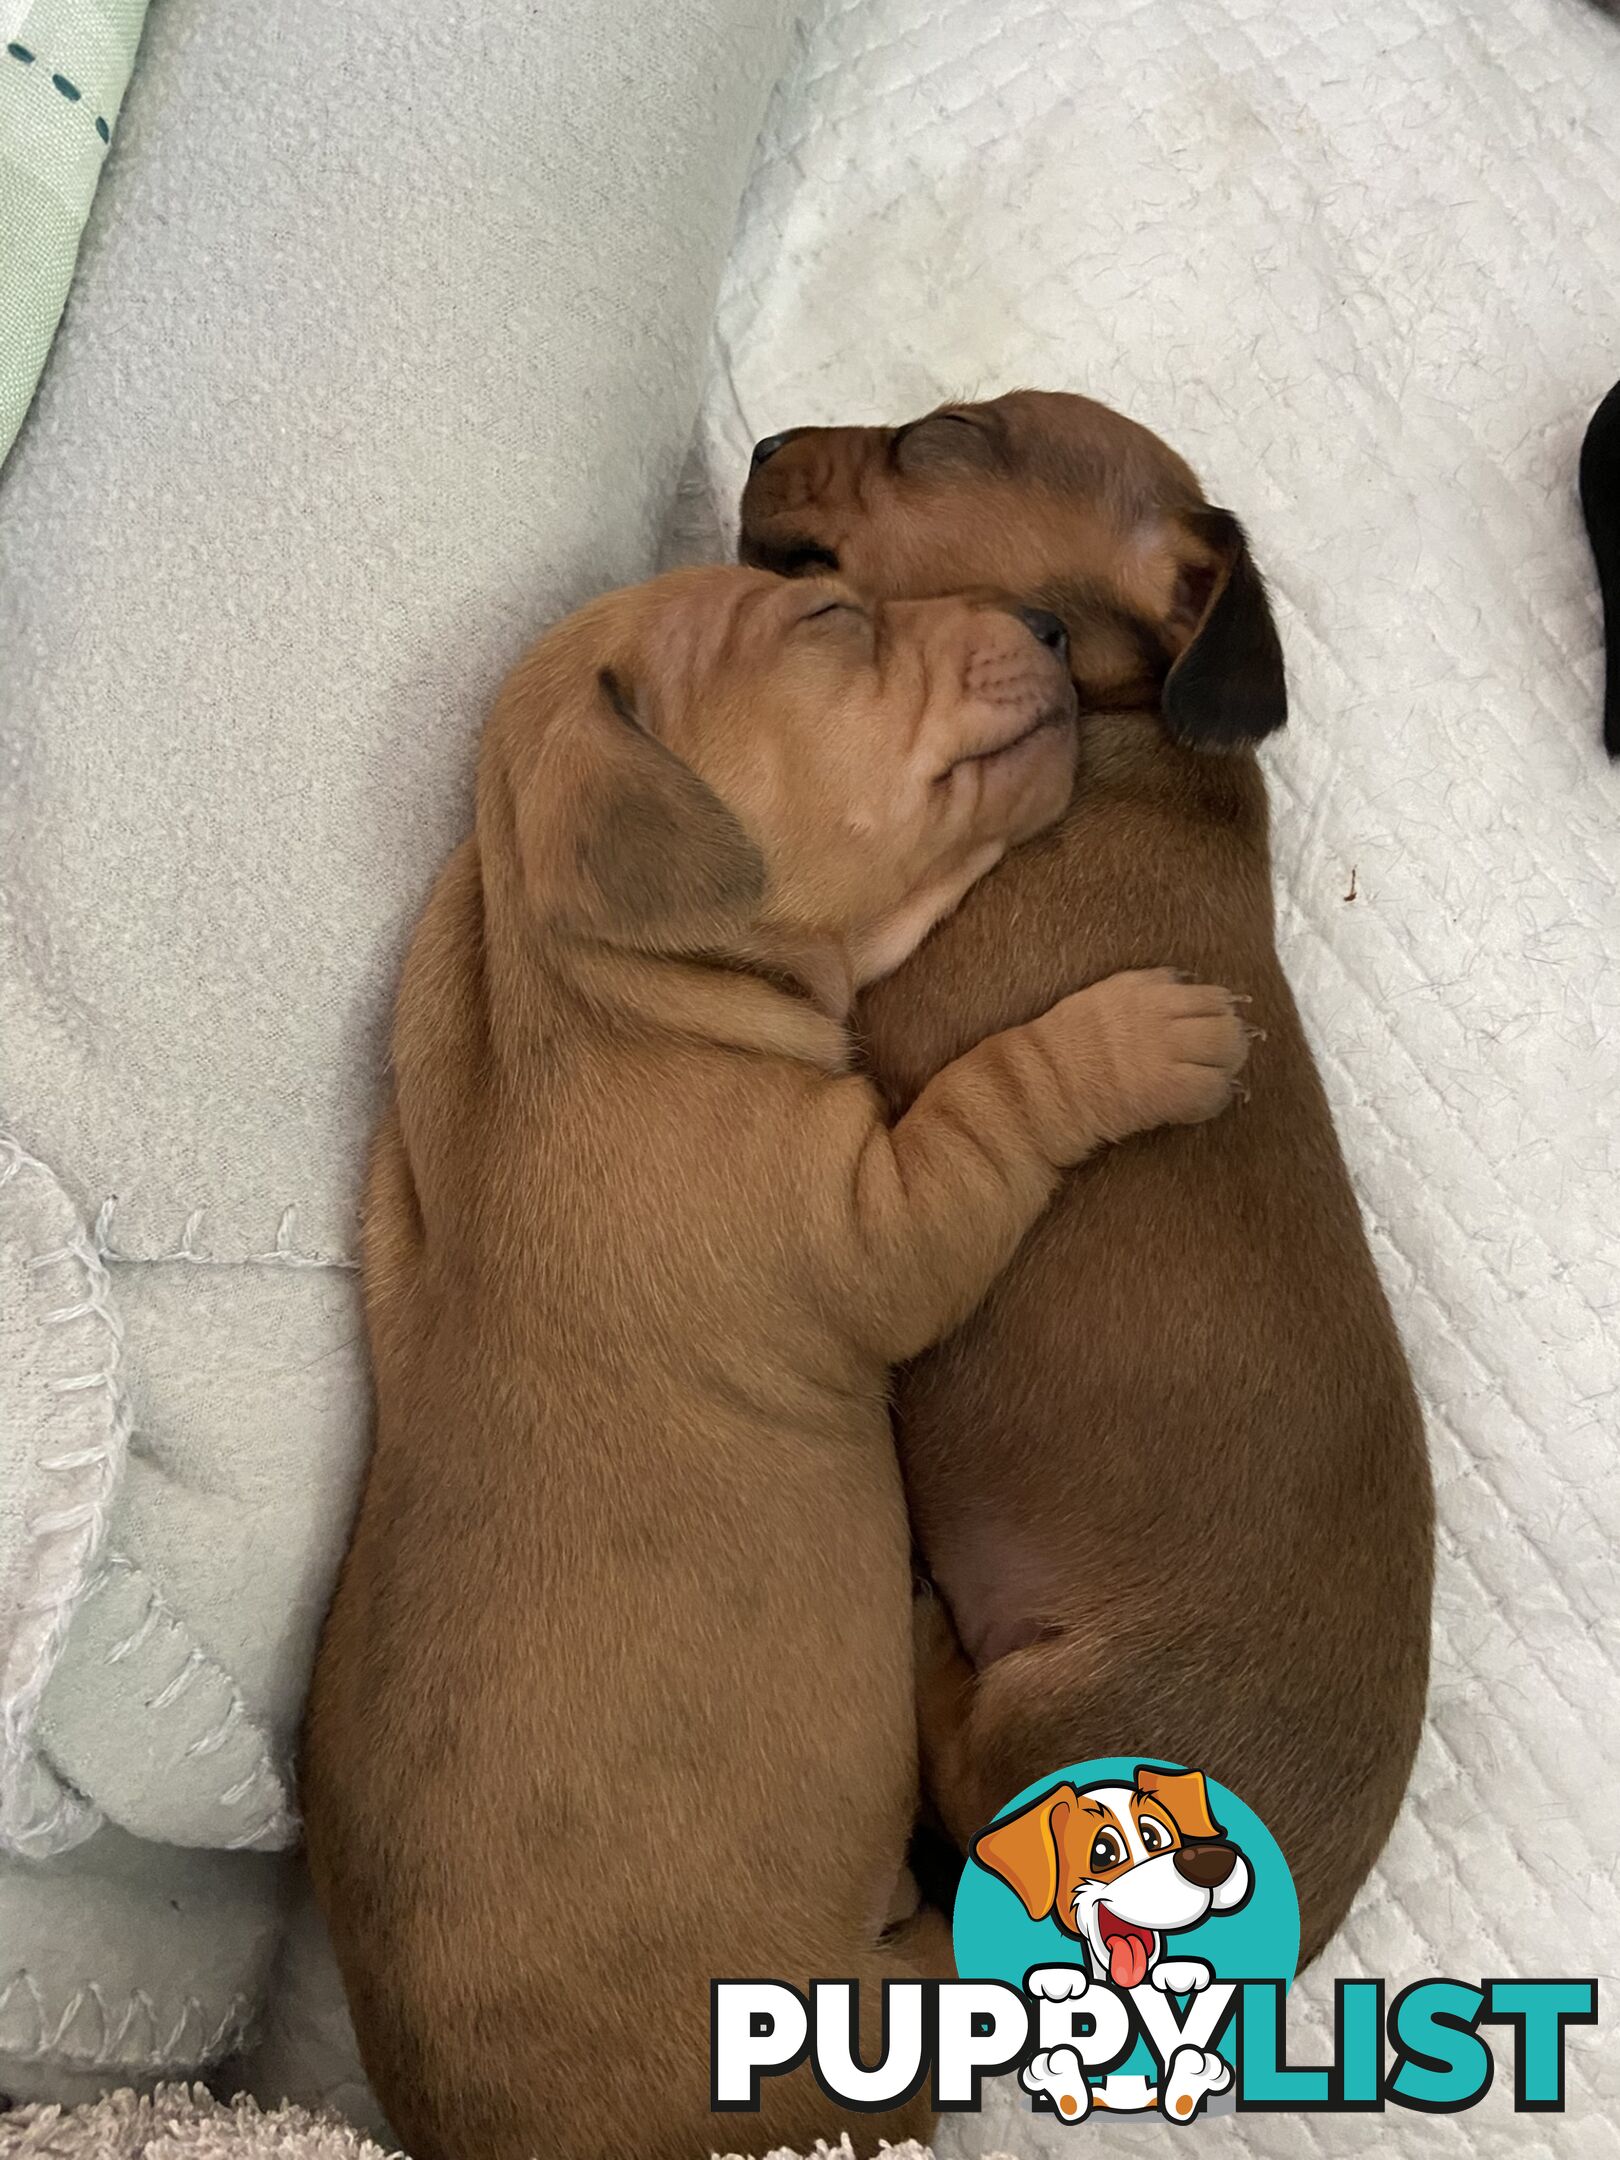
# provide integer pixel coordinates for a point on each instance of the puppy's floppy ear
(1227, 686)
(1184, 1796)
(621, 841)
(1023, 1850)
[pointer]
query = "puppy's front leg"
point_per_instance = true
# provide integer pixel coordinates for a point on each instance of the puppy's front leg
(943, 1197)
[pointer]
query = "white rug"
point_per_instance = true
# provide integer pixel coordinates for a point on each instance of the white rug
(1359, 260)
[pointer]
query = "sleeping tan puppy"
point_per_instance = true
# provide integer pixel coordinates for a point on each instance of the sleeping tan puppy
(616, 1694)
(1171, 1479)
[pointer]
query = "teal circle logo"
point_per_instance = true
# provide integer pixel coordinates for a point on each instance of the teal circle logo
(1141, 1881)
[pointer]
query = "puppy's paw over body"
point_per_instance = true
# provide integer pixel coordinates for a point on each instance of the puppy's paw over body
(1169, 1051)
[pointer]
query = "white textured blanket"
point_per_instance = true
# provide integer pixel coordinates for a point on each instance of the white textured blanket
(180, 2122)
(1358, 259)
(385, 346)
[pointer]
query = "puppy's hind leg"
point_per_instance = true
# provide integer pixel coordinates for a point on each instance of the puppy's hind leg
(919, 1948)
(947, 1699)
(983, 1735)
(797, 2114)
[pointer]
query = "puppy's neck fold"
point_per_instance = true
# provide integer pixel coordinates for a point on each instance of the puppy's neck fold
(775, 1004)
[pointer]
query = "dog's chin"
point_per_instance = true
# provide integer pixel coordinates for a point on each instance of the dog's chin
(1055, 718)
(785, 558)
(1039, 769)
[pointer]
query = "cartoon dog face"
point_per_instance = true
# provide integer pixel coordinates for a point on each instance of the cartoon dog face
(1120, 1866)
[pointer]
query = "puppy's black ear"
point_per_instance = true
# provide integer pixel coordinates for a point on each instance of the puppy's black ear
(1228, 686)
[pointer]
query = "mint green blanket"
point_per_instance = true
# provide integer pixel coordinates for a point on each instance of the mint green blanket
(64, 65)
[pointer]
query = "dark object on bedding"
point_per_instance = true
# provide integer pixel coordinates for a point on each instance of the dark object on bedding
(1600, 504)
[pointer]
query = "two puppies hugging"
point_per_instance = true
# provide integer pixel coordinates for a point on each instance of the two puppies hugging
(618, 1693)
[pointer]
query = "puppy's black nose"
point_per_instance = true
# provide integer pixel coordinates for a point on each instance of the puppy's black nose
(768, 445)
(1041, 623)
(1206, 1865)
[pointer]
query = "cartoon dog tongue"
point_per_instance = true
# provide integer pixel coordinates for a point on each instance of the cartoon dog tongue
(1128, 1949)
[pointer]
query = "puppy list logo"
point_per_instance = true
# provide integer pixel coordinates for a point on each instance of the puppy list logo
(1149, 1918)
(1132, 1897)
(1126, 1933)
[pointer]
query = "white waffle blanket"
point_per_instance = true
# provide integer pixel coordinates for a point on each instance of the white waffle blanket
(1359, 260)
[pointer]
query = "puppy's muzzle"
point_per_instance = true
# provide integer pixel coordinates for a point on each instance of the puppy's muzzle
(1206, 1865)
(768, 445)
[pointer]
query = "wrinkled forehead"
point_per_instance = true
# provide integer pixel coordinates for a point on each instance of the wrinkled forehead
(696, 631)
(705, 615)
(1075, 451)
(1081, 447)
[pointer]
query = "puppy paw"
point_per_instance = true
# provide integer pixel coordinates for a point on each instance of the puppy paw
(1058, 1983)
(1059, 2075)
(1181, 1976)
(1169, 1051)
(1194, 2075)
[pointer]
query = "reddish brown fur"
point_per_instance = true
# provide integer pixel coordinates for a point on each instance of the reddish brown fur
(1171, 1477)
(616, 1693)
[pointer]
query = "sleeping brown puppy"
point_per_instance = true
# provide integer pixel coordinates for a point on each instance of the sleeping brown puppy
(1171, 1479)
(616, 1696)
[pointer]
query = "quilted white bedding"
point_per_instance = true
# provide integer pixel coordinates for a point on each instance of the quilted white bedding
(1358, 259)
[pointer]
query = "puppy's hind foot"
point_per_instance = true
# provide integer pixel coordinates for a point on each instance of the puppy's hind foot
(1059, 2075)
(1195, 2075)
